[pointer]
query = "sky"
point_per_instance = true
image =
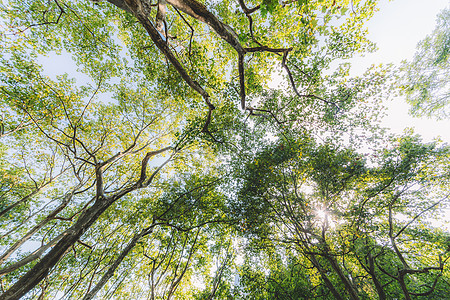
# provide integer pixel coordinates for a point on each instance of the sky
(396, 29)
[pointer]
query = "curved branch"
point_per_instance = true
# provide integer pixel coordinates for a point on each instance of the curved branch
(294, 86)
(247, 10)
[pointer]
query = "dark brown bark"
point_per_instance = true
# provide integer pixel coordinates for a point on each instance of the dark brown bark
(32, 257)
(30, 233)
(247, 10)
(140, 12)
(401, 281)
(41, 269)
(348, 285)
(36, 274)
(325, 278)
(241, 80)
(378, 286)
(198, 11)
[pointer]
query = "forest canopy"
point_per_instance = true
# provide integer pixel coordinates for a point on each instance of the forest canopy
(424, 77)
(209, 150)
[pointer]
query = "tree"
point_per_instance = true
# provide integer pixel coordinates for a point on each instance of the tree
(354, 230)
(120, 175)
(425, 77)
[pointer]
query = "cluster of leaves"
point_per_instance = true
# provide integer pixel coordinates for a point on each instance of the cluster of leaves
(357, 229)
(424, 78)
(133, 174)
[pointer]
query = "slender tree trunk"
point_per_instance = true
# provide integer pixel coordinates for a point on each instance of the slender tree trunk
(116, 264)
(325, 278)
(30, 233)
(175, 280)
(41, 269)
(23, 200)
(378, 286)
(28, 281)
(198, 11)
(218, 277)
(33, 256)
(401, 281)
(348, 285)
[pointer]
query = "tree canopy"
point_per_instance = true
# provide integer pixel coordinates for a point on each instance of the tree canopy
(425, 77)
(208, 150)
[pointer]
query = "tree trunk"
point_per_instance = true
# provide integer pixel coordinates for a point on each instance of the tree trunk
(28, 281)
(325, 278)
(41, 269)
(33, 256)
(378, 286)
(30, 233)
(348, 285)
(116, 264)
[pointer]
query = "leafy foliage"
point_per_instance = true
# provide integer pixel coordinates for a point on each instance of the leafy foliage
(357, 229)
(162, 162)
(425, 77)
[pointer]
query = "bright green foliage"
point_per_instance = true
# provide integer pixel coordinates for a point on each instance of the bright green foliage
(358, 231)
(284, 278)
(425, 79)
(136, 170)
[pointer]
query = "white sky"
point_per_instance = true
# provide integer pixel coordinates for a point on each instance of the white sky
(396, 29)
